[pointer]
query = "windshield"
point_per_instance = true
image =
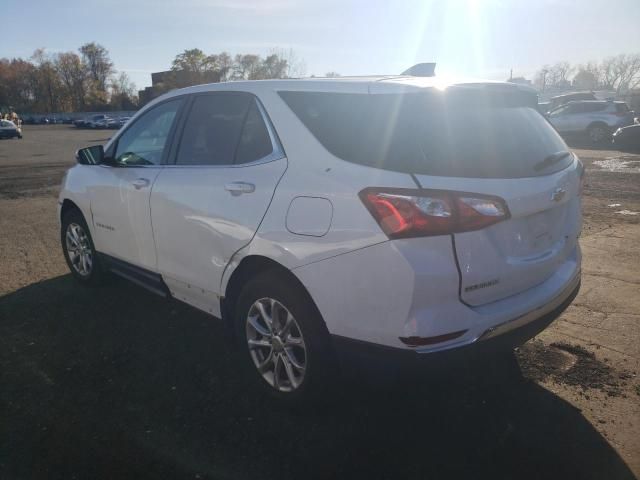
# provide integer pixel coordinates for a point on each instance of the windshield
(455, 135)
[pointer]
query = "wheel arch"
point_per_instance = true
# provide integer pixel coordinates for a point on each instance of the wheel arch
(598, 123)
(67, 206)
(249, 267)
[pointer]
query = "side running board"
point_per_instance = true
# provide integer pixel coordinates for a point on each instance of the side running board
(149, 280)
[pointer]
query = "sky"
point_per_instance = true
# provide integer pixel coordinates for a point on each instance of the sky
(471, 38)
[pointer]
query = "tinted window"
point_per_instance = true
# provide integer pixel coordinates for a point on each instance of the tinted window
(255, 142)
(144, 142)
(446, 134)
(213, 129)
(592, 107)
(622, 108)
(560, 111)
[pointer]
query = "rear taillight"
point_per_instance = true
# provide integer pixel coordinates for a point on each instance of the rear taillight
(404, 213)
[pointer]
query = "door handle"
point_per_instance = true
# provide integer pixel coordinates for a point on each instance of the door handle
(238, 188)
(139, 183)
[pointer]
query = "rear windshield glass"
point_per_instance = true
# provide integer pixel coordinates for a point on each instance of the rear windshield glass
(457, 134)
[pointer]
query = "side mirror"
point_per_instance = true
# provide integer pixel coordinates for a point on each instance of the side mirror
(90, 155)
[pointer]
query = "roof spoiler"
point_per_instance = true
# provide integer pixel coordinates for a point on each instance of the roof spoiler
(421, 70)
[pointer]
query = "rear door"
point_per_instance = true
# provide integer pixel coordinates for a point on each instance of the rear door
(564, 118)
(209, 203)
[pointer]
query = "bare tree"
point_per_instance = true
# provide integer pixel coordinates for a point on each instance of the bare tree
(246, 67)
(123, 92)
(627, 70)
(296, 67)
(47, 82)
(558, 74)
(332, 74)
(73, 74)
(99, 68)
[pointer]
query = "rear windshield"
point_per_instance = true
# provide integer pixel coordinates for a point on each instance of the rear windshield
(455, 134)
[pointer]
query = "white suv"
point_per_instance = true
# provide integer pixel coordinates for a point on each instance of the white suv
(598, 119)
(393, 215)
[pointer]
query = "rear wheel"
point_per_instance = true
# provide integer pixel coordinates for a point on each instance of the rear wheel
(598, 133)
(78, 249)
(284, 342)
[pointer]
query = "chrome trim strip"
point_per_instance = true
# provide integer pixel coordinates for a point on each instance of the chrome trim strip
(516, 322)
(533, 315)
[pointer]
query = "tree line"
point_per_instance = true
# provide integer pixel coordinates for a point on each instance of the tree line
(86, 80)
(193, 67)
(63, 82)
(620, 73)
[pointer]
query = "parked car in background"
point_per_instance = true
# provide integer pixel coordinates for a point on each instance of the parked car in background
(544, 107)
(90, 122)
(627, 138)
(97, 121)
(101, 122)
(8, 129)
(596, 119)
(122, 121)
(559, 100)
(330, 216)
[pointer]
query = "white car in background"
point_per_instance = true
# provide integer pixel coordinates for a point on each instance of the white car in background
(8, 129)
(389, 216)
(597, 119)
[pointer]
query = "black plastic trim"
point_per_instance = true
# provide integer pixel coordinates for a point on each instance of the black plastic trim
(368, 354)
(140, 276)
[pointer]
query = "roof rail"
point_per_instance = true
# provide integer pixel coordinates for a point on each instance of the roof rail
(421, 70)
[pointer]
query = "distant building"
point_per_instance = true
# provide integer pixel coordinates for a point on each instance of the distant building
(162, 82)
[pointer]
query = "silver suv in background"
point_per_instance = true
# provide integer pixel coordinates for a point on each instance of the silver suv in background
(597, 119)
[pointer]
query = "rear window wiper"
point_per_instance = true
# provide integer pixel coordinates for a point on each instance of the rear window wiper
(551, 159)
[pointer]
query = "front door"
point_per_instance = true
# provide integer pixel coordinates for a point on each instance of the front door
(120, 196)
(209, 204)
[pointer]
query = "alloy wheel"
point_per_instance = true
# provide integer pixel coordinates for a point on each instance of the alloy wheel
(597, 134)
(79, 249)
(276, 344)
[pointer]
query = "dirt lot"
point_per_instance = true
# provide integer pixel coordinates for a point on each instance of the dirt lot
(116, 383)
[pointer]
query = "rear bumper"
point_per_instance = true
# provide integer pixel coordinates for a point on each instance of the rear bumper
(500, 338)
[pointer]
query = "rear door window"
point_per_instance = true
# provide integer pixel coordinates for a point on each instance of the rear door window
(478, 135)
(255, 142)
(213, 128)
(622, 108)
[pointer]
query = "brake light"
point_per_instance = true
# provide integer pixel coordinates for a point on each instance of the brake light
(405, 213)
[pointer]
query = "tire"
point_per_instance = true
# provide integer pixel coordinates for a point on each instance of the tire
(79, 251)
(298, 361)
(598, 133)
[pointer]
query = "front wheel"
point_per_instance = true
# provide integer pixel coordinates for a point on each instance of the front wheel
(284, 341)
(78, 249)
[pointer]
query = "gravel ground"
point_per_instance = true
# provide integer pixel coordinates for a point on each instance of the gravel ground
(117, 383)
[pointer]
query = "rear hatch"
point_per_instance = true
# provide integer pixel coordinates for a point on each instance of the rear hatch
(491, 140)
(485, 139)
